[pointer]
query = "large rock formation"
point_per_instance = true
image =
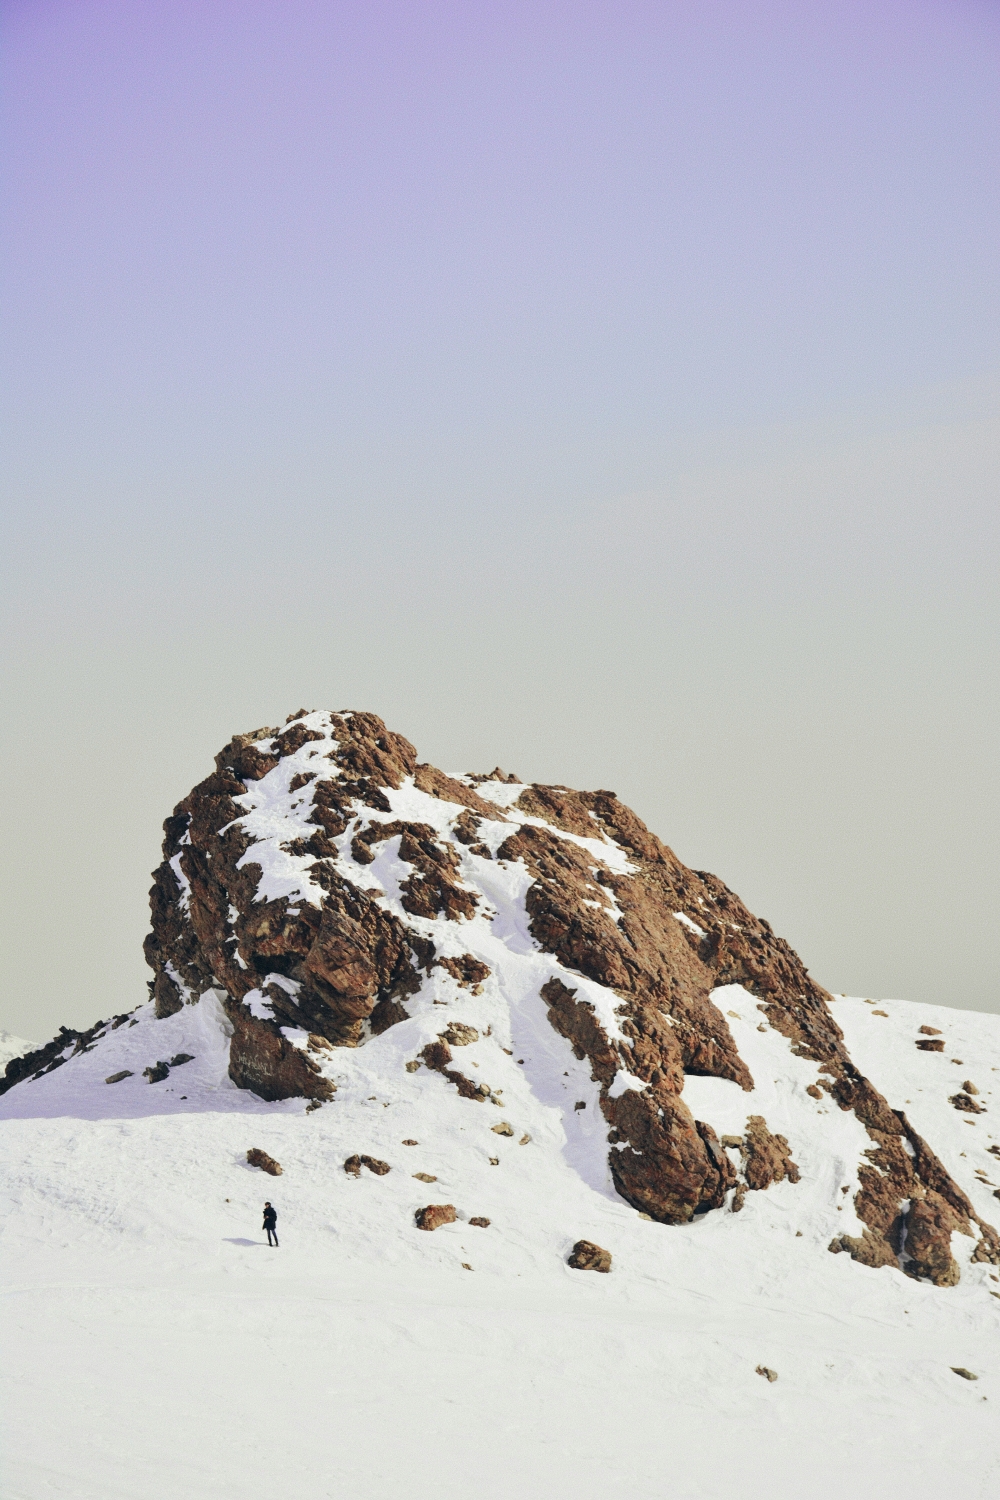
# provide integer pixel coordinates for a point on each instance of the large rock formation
(321, 878)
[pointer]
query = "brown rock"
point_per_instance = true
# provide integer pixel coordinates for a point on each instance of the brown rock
(967, 1104)
(929, 1227)
(813, 1091)
(480, 1223)
(457, 1034)
(929, 1030)
(410, 1143)
(353, 1165)
(770, 1375)
(348, 968)
(424, 1177)
(765, 1156)
(117, 1077)
(258, 1158)
(434, 1215)
(586, 1256)
(965, 1374)
(970, 1088)
(503, 1129)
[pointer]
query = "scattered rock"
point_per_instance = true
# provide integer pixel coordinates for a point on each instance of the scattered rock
(494, 1161)
(770, 1375)
(353, 1165)
(258, 1158)
(937, 1045)
(181, 1058)
(502, 1129)
(580, 1104)
(738, 1197)
(966, 1103)
(586, 1256)
(965, 1374)
(813, 1091)
(413, 1065)
(466, 1266)
(459, 1035)
(480, 1223)
(929, 1030)
(880, 1013)
(424, 1177)
(117, 1077)
(158, 1073)
(524, 1139)
(411, 1143)
(315, 1104)
(970, 1088)
(434, 1215)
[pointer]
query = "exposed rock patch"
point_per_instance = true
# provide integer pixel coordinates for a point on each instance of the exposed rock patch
(586, 1256)
(258, 1158)
(434, 1215)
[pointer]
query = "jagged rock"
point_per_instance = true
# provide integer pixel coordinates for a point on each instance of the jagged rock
(765, 1156)
(434, 1215)
(480, 1223)
(502, 1129)
(586, 1256)
(967, 1104)
(769, 1375)
(117, 1077)
(258, 1158)
(936, 1045)
(157, 1072)
(180, 1059)
(410, 1143)
(459, 1035)
(413, 1065)
(437, 1056)
(929, 1030)
(965, 1374)
(867, 1248)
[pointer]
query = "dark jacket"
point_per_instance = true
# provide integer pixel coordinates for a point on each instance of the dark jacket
(270, 1218)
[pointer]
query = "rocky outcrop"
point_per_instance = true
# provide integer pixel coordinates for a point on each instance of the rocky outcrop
(274, 894)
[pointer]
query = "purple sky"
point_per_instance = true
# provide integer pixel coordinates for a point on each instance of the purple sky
(610, 387)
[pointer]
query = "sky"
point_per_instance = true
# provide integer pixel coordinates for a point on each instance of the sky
(604, 391)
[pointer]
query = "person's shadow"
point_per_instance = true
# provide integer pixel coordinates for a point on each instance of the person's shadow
(254, 1244)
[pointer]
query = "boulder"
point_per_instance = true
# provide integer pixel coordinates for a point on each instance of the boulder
(434, 1215)
(258, 1158)
(586, 1256)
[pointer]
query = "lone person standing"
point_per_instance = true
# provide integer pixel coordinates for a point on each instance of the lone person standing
(271, 1224)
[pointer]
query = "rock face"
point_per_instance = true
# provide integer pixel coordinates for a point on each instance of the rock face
(320, 876)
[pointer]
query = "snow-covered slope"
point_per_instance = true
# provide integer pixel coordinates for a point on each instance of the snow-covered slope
(156, 1347)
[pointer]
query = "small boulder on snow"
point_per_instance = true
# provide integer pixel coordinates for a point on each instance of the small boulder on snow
(434, 1215)
(353, 1165)
(586, 1256)
(117, 1077)
(258, 1158)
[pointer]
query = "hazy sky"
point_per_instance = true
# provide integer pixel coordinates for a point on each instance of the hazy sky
(604, 390)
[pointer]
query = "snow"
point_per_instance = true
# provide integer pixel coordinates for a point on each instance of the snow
(156, 1348)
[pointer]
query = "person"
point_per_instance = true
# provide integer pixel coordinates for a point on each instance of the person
(271, 1224)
